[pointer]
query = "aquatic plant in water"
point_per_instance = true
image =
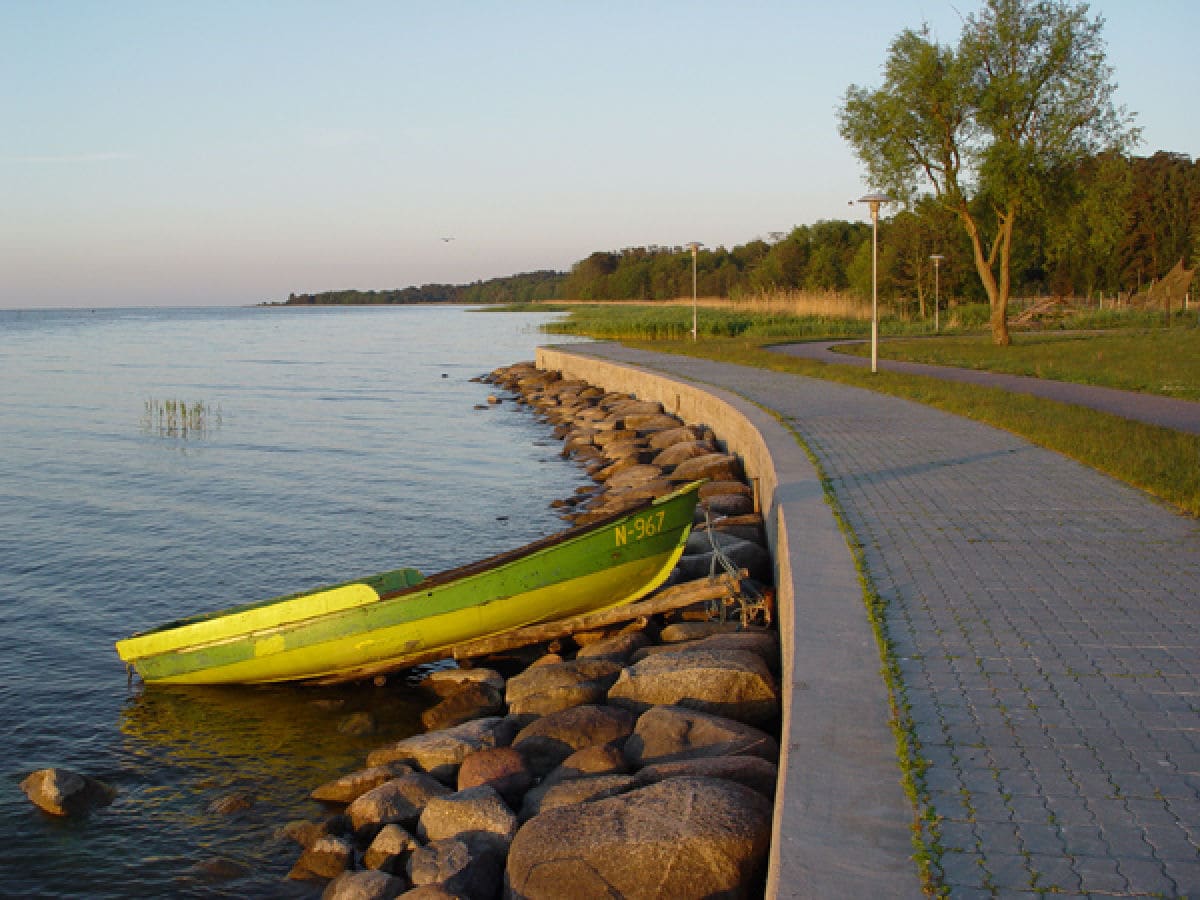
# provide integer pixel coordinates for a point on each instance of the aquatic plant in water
(178, 418)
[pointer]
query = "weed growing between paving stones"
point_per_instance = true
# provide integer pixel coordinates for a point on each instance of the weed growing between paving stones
(926, 835)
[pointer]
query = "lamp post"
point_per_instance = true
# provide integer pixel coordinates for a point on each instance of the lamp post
(937, 262)
(874, 201)
(695, 246)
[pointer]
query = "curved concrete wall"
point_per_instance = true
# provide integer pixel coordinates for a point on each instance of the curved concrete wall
(841, 824)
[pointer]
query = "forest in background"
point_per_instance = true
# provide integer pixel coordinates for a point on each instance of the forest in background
(1114, 225)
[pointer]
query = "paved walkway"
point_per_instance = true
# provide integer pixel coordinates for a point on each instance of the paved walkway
(1047, 621)
(1181, 415)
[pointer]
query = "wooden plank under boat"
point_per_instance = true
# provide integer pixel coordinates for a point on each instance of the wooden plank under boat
(372, 626)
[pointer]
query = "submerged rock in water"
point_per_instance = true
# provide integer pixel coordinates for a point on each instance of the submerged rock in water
(62, 792)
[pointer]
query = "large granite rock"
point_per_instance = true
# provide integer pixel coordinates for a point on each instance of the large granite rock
(399, 801)
(369, 885)
(327, 857)
(547, 741)
(501, 768)
(62, 792)
(477, 809)
(682, 838)
(551, 795)
(467, 866)
(755, 773)
(390, 850)
(473, 700)
(715, 466)
(542, 690)
(440, 752)
(761, 642)
(669, 733)
(731, 683)
(350, 787)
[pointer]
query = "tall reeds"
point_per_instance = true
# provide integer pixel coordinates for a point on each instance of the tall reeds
(178, 418)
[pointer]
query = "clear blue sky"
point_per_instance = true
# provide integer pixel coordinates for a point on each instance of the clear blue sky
(163, 153)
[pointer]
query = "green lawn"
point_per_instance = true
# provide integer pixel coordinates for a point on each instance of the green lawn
(1161, 361)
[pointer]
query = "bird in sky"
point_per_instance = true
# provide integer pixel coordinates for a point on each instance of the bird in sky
(447, 239)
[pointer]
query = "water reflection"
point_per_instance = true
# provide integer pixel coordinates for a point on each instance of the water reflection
(210, 773)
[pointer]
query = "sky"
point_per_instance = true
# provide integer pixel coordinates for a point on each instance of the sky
(167, 153)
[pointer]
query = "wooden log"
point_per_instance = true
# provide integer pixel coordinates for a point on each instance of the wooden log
(704, 589)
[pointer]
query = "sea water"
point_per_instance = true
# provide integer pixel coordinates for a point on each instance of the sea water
(317, 445)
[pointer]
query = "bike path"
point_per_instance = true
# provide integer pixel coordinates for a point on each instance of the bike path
(1180, 415)
(1046, 619)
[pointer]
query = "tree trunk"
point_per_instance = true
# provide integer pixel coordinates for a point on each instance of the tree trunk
(997, 293)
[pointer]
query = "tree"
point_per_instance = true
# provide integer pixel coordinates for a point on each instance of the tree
(1027, 93)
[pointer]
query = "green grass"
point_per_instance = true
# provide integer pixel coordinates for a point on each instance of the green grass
(1160, 361)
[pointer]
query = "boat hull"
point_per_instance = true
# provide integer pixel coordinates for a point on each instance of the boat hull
(613, 562)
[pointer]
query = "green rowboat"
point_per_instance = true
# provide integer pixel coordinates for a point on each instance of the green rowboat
(393, 621)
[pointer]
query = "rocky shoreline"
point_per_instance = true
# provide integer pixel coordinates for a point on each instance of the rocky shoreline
(636, 760)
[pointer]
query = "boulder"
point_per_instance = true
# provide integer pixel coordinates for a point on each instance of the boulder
(740, 554)
(445, 682)
(704, 540)
(763, 643)
(350, 787)
(228, 804)
(548, 689)
(670, 457)
(660, 440)
(430, 892)
(359, 724)
(733, 683)
(600, 759)
(669, 733)
(307, 833)
(399, 801)
(468, 866)
(715, 466)
(440, 752)
(713, 488)
(502, 768)
(472, 701)
(62, 792)
(369, 885)
(617, 648)
(751, 771)
(328, 857)
(729, 505)
(549, 740)
(650, 423)
(681, 838)
(690, 631)
(548, 796)
(390, 850)
(633, 476)
(477, 809)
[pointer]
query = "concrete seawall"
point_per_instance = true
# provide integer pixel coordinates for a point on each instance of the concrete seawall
(841, 824)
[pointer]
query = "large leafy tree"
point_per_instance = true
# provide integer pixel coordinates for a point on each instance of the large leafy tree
(986, 125)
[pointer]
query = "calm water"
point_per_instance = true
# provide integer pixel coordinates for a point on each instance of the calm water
(335, 443)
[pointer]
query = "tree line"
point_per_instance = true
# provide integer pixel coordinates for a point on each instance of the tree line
(1116, 224)
(526, 287)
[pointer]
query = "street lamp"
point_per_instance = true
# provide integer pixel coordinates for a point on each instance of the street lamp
(937, 262)
(695, 245)
(874, 200)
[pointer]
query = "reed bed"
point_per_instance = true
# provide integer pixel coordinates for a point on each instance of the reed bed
(178, 418)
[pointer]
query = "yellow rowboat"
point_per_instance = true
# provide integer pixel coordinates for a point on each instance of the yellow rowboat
(393, 621)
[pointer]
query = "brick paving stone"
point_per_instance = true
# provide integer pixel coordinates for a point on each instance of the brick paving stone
(1098, 874)
(1054, 873)
(1052, 610)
